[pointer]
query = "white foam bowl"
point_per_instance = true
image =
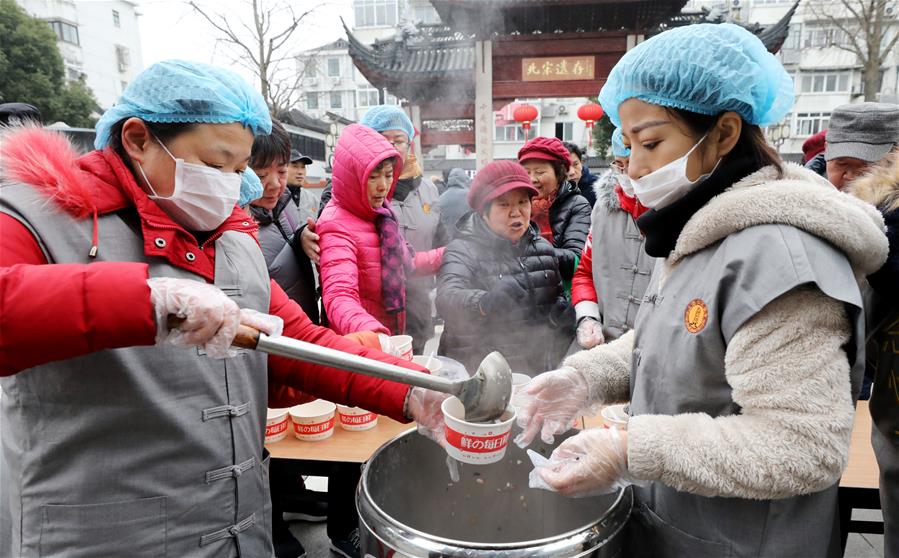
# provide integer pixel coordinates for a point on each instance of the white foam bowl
(474, 442)
(401, 346)
(434, 366)
(356, 419)
(276, 425)
(313, 421)
(616, 415)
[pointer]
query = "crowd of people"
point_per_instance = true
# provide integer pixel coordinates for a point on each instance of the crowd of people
(738, 303)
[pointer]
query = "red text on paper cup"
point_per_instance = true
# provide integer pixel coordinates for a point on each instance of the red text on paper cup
(477, 444)
(357, 420)
(276, 429)
(316, 428)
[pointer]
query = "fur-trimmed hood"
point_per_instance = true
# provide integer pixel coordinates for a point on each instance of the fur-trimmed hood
(880, 187)
(800, 198)
(604, 189)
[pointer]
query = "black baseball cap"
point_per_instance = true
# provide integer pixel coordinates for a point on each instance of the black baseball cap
(297, 156)
(17, 113)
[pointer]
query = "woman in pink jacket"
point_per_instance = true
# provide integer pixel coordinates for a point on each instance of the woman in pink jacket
(364, 259)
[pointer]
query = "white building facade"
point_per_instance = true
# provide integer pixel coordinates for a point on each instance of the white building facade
(99, 41)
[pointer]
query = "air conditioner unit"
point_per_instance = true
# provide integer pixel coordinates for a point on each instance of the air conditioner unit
(890, 10)
(858, 89)
(550, 111)
(563, 109)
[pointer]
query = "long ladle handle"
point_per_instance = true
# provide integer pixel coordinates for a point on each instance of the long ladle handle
(250, 338)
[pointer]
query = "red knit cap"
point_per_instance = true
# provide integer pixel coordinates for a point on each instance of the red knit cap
(496, 179)
(546, 149)
(814, 145)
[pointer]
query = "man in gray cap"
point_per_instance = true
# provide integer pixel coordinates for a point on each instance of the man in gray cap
(858, 136)
(306, 201)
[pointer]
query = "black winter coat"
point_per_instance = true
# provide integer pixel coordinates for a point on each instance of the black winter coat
(569, 219)
(533, 336)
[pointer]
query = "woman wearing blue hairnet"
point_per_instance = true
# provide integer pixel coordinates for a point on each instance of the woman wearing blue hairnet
(121, 436)
(746, 355)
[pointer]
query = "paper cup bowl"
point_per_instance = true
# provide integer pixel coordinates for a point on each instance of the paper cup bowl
(402, 346)
(473, 442)
(355, 419)
(616, 415)
(519, 382)
(276, 425)
(422, 361)
(313, 421)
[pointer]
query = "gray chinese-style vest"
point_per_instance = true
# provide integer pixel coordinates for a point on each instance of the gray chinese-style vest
(143, 451)
(713, 293)
(621, 267)
(418, 216)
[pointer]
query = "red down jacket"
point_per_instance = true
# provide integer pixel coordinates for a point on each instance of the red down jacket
(52, 312)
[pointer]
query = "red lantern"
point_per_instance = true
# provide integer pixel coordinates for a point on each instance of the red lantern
(525, 114)
(590, 113)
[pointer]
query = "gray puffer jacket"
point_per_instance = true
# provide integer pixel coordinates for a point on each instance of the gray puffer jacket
(286, 262)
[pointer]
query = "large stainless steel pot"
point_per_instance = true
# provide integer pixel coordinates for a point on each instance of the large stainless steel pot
(409, 507)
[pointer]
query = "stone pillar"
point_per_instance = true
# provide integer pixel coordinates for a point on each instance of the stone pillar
(415, 116)
(483, 102)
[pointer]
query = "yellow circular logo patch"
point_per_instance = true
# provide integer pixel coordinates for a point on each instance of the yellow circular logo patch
(427, 208)
(696, 316)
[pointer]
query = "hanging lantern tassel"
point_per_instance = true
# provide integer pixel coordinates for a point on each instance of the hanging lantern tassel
(590, 113)
(526, 126)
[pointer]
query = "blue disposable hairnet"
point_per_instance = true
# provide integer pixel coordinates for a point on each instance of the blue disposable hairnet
(618, 147)
(181, 91)
(706, 68)
(388, 117)
(250, 187)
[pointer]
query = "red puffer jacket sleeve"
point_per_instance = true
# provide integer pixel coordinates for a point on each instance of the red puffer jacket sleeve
(583, 290)
(380, 396)
(52, 312)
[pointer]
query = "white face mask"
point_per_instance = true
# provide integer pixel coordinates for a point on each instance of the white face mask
(625, 182)
(203, 197)
(667, 184)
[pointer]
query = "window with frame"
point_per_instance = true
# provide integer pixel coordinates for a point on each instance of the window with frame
(65, 31)
(508, 132)
(376, 13)
(824, 82)
(565, 131)
(116, 19)
(794, 37)
(123, 57)
(336, 99)
(810, 123)
(312, 101)
(367, 97)
(334, 67)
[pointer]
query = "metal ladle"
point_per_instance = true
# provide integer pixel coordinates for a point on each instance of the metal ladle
(485, 395)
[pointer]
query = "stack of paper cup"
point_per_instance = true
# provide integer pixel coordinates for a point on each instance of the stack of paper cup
(519, 383)
(356, 419)
(475, 442)
(313, 421)
(401, 346)
(275, 425)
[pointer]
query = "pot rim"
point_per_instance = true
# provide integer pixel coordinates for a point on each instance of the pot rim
(585, 530)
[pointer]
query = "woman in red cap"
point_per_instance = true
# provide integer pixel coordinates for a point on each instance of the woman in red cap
(559, 210)
(499, 287)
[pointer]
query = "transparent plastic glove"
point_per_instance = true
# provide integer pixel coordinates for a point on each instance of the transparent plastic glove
(550, 403)
(273, 326)
(309, 241)
(210, 318)
(589, 333)
(424, 404)
(590, 463)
